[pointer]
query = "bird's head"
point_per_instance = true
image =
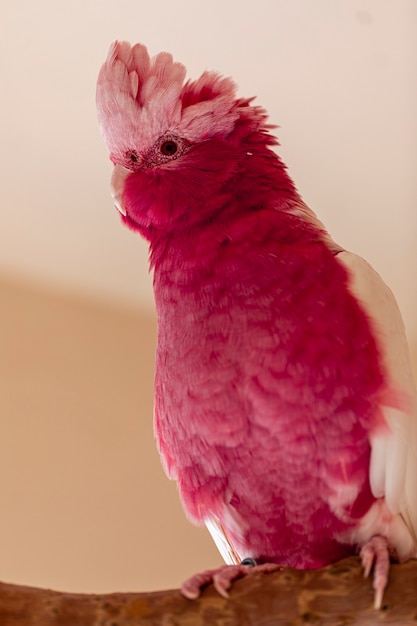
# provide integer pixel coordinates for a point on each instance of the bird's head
(174, 144)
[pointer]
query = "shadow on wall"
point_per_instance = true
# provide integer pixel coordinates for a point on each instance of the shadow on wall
(85, 503)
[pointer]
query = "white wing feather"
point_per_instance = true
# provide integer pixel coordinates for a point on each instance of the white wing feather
(393, 467)
(224, 546)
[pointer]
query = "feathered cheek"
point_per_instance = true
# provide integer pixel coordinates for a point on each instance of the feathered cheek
(160, 196)
(147, 201)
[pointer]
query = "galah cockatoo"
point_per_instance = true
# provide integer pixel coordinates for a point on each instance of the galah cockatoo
(285, 405)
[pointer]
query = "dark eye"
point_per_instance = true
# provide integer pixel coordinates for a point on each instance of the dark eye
(166, 149)
(169, 147)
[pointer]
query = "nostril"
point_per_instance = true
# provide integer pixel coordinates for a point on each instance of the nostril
(133, 157)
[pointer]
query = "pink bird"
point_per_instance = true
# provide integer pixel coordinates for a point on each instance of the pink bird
(285, 406)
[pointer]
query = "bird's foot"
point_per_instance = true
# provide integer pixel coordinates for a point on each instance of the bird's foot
(375, 553)
(223, 577)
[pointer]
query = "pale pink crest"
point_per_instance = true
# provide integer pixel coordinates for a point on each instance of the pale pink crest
(209, 106)
(139, 99)
(136, 97)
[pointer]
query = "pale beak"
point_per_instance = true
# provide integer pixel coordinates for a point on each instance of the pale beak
(117, 186)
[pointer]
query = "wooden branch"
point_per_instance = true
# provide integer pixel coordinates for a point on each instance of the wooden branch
(336, 595)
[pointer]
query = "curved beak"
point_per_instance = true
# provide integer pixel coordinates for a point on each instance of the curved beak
(117, 187)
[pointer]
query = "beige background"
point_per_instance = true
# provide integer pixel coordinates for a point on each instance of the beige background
(84, 502)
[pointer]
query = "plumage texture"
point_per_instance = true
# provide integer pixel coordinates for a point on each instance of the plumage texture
(284, 402)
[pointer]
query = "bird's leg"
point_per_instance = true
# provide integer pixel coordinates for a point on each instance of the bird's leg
(223, 577)
(374, 553)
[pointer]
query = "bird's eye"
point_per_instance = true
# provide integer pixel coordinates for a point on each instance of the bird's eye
(166, 149)
(169, 148)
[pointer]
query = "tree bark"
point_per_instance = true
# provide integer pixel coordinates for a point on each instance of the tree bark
(336, 595)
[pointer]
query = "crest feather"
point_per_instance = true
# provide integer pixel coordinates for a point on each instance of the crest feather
(139, 99)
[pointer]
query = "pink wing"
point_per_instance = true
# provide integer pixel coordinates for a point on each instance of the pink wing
(393, 466)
